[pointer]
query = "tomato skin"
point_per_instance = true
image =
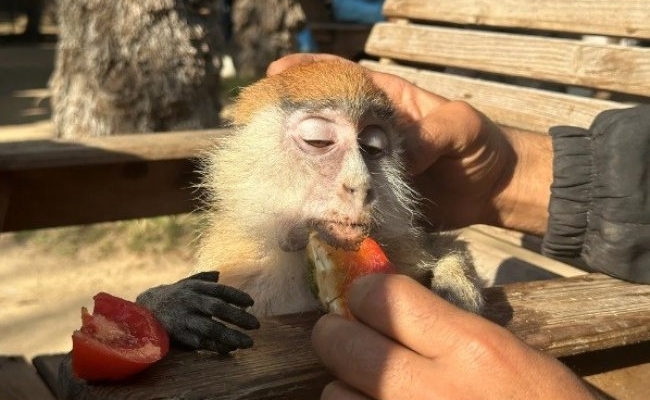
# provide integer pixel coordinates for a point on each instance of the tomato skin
(119, 339)
(332, 270)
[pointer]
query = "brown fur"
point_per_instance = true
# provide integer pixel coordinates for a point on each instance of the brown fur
(311, 83)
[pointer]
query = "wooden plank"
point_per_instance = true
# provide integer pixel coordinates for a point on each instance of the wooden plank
(573, 62)
(281, 365)
(621, 372)
(617, 18)
(19, 381)
(51, 197)
(560, 317)
(502, 261)
(50, 153)
(515, 106)
(516, 238)
(49, 183)
(574, 315)
(47, 367)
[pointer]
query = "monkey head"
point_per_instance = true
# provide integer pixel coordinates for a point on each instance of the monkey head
(314, 148)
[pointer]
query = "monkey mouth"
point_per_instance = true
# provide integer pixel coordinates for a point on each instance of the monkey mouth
(345, 235)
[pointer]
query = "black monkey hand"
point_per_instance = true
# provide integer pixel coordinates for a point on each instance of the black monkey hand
(191, 308)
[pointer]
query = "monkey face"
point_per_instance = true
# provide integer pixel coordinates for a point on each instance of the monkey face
(344, 156)
(315, 149)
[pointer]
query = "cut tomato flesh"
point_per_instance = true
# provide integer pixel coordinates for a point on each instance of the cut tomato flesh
(333, 270)
(118, 340)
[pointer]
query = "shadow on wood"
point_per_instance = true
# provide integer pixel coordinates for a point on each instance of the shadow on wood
(49, 183)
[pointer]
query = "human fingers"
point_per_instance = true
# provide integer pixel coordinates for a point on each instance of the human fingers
(369, 361)
(450, 129)
(338, 390)
(404, 310)
(290, 60)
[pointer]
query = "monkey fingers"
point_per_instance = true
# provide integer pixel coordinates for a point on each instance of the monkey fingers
(203, 333)
(208, 276)
(223, 302)
(226, 293)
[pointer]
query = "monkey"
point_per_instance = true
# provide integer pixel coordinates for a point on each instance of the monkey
(316, 148)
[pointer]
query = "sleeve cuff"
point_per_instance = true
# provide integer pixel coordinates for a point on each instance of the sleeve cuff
(570, 192)
(599, 208)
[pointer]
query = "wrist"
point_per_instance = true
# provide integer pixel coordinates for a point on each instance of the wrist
(521, 202)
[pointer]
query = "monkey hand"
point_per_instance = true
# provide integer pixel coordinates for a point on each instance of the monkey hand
(191, 308)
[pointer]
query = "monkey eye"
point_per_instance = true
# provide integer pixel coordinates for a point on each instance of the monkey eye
(373, 141)
(316, 133)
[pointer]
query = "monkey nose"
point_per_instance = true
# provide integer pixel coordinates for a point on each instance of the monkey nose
(365, 194)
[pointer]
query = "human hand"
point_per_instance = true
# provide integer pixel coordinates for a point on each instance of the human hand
(461, 161)
(407, 343)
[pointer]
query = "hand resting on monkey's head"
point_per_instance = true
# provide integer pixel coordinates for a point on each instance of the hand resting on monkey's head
(313, 149)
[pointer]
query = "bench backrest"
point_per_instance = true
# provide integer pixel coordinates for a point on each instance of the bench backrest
(528, 65)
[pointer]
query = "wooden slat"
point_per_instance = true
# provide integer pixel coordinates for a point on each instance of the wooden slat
(51, 197)
(573, 62)
(621, 372)
(58, 183)
(48, 369)
(573, 315)
(616, 18)
(510, 262)
(32, 154)
(523, 108)
(560, 316)
(19, 381)
(281, 365)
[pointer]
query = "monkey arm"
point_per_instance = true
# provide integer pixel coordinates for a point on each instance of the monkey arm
(191, 308)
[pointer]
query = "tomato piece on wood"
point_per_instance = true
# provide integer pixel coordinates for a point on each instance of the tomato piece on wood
(120, 339)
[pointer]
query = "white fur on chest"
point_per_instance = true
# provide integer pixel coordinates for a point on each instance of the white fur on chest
(278, 283)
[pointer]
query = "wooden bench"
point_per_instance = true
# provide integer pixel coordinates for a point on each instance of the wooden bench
(49, 183)
(479, 51)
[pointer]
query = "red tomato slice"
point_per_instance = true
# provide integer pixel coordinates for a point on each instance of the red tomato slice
(119, 339)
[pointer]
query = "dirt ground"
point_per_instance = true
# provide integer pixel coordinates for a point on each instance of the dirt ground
(43, 287)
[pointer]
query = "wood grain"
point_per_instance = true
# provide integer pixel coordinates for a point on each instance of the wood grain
(510, 105)
(33, 154)
(561, 317)
(49, 183)
(617, 18)
(51, 197)
(573, 62)
(281, 365)
(19, 381)
(569, 316)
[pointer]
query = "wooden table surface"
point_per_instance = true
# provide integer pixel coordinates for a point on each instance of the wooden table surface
(561, 317)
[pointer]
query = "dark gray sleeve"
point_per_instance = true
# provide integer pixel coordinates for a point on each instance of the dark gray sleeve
(600, 197)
